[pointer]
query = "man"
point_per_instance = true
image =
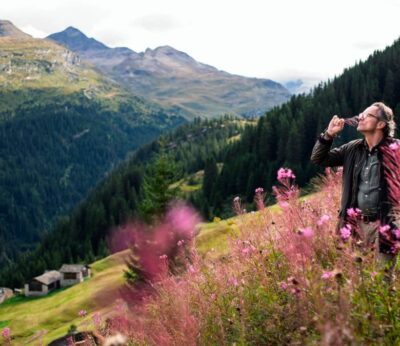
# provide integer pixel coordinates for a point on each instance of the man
(364, 185)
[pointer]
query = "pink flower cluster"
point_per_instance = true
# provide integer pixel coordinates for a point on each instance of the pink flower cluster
(245, 247)
(82, 313)
(157, 246)
(323, 219)
(6, 333)
(353, 212)
(259, 190)
(234, 282)
(384, 229)
(285, 173)
(291, 285)
(345, 232)
(259, 198)
(191, 269)
(394, 146)
(326, 275)
(237, 207)
(307, 232)
(283, 204)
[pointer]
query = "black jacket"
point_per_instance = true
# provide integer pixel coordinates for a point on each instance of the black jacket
(351, 156)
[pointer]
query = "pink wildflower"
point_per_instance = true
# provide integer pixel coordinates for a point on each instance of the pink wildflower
(345, 232)
(82, 313)
(383, 229)
(283, 285)
(295, 290)
(183, 220)
(353, 212)
(283, 204)
(395, 248)
(234, 282)
(191, 269)
(6, 333)
(237, 207)
(259, 190)
(307, 232)
(327, 275)
(259, 198)
(285, 173)
(245, 251)
(324, 218)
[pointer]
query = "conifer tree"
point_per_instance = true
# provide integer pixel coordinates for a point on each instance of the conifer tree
(210, 177)
(157, 191)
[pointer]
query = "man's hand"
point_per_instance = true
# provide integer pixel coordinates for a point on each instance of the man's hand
(335, 126)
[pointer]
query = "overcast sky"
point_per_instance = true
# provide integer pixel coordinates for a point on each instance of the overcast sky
(282, 39)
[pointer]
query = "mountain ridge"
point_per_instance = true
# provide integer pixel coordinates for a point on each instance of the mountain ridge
(8, 29)
(177, 81)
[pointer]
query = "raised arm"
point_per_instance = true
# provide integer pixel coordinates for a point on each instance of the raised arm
(322, 154)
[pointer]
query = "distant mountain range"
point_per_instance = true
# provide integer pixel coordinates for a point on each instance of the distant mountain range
(63, 126)
(175, 80)
(300, 86)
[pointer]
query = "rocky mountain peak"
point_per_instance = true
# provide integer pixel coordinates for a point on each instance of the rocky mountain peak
(76, 40)
(8, 29)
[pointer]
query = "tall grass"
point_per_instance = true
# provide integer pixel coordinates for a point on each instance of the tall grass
(290, 279)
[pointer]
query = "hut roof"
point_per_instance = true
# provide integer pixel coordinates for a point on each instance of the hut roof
(72, 268)
(49, 277)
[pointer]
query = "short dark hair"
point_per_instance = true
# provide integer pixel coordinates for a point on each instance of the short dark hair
(386, 115)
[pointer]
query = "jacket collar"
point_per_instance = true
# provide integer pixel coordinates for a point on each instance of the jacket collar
(383, 141)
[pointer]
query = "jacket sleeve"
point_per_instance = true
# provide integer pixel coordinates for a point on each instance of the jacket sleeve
(323, 155)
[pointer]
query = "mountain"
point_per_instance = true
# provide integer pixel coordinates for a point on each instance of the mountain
(300, 86)
(92, 50)
(8, 29)
(294, 86)
(177, 81)
(63, 127)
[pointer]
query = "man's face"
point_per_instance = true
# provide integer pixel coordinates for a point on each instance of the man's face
(369, 120)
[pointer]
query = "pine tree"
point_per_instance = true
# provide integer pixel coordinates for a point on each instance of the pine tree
(210, 177)
(157, 191)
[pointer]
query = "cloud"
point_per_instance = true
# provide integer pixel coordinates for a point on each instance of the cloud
(157, 22)
(366, 45)
(33, 31)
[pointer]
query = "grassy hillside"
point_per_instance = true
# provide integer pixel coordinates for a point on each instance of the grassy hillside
(47, 318)
(36, 64)
(288, 278)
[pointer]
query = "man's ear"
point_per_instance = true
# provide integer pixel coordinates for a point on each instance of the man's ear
(381, 125)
